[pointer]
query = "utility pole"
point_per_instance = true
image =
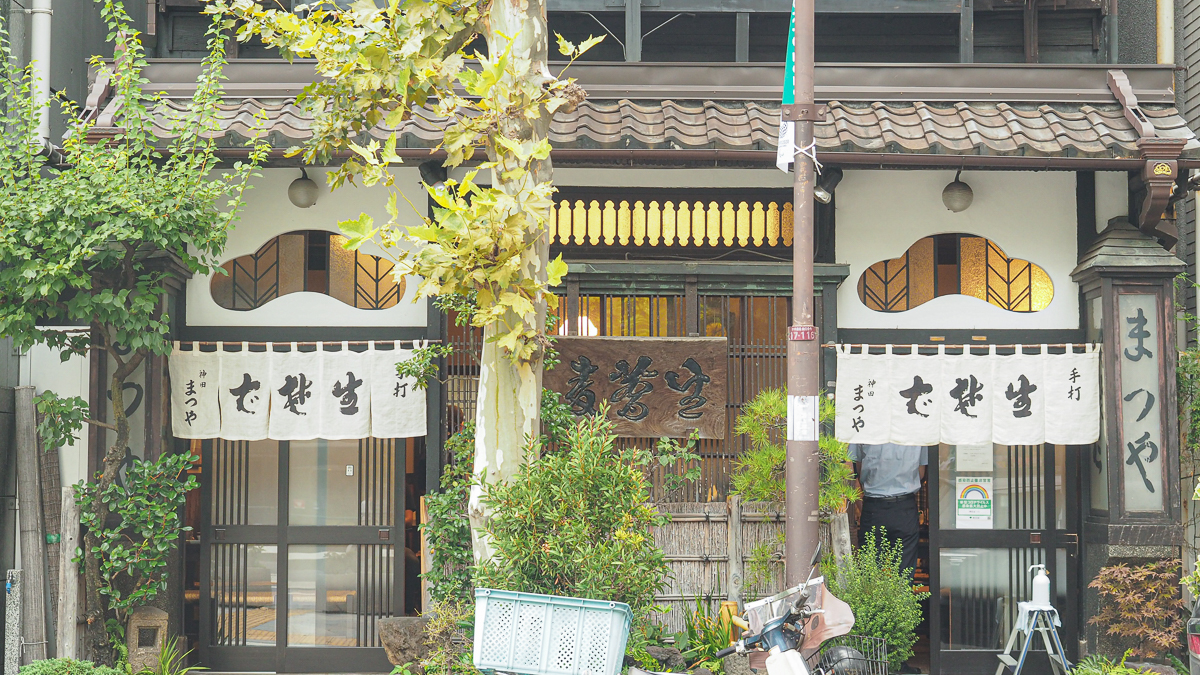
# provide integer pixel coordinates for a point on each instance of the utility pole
(804, 349)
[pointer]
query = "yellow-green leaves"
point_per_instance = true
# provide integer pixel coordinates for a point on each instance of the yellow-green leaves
(567, 48)
(556, 270)
(381, 65)
(358, 230)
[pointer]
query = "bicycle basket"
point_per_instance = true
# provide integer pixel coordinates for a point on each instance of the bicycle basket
(851, 655)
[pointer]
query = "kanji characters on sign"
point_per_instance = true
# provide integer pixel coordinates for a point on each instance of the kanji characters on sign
(970, 399)
(1140, 402)
(257, 393)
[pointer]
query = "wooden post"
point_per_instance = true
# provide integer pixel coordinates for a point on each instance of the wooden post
(966, 32)
(426, 560)
(1031, 32)
(633, 30)
(33, 538)
(49, 489)
(737, 577)
(839, 534)
(68, 577)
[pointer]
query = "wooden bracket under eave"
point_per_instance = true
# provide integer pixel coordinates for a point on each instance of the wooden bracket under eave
(1159, 176)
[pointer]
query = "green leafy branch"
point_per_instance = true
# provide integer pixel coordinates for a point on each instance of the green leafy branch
(381, 63)
(134, 551)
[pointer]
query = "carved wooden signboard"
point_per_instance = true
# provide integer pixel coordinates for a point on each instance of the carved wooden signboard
(653, 386)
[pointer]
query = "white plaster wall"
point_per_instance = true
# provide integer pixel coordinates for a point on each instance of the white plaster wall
(268, 214)
(1112, 197)
(43, 368)
(1030, 215)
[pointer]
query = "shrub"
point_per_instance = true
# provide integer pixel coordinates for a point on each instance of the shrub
(136, 527)
(576, 522)
(885, 606)
(1102, 665)
(448, 636)
(448, 528)
(705, 634)
(759, 473)
(67, 667)
(1142, 604)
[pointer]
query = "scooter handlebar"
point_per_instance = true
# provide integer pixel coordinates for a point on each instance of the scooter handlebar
(725, 652)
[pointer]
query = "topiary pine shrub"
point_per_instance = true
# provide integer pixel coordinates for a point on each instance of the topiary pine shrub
(758, 474)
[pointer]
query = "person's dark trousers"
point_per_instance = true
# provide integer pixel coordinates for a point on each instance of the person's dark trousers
(898, 518)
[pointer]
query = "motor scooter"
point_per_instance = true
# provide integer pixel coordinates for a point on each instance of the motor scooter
(791, 626)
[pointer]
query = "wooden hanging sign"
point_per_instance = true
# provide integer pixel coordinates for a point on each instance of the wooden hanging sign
(653, 386)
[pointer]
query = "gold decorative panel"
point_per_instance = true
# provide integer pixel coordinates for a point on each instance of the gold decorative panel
(745, 224)
(311, 261)
(955, 264)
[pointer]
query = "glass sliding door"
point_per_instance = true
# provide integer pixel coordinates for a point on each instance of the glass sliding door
(999, 510)
(301, 557)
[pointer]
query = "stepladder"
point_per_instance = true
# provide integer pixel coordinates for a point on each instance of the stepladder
(1040, 620)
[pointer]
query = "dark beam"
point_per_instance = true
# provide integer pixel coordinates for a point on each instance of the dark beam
(633, 30)
(1051, 5)
(966, 33)
(742, 38)
(1031, 34)
(777, 6)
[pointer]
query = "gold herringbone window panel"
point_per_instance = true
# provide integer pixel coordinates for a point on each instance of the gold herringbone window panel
(955, 264)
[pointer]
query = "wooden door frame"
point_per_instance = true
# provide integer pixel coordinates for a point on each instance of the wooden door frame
(984, 662)
(281, 658)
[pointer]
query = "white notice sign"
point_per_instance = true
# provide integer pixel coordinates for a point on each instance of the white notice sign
(973, 503)
(973, 458)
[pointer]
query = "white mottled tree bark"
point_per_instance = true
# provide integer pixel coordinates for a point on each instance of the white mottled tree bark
(506, 407)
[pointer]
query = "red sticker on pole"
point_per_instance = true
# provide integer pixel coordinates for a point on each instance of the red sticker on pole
(797, 333)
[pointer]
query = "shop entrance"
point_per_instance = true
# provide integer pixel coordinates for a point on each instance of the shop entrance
(979, 567)
(303, 549)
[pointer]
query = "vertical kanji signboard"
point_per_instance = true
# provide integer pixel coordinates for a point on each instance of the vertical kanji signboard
(652, 386)
(1127, 280)
(1140, 396)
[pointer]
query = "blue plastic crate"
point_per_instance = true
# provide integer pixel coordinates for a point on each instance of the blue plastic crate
(535, 634)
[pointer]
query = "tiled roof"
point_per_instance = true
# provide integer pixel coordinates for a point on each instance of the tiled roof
(986, 128)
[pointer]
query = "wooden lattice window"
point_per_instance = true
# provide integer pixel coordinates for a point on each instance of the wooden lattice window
(671, 223)
(311, 261)
(955, 264)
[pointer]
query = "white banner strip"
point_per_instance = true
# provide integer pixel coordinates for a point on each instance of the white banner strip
(293, 395)
(1018, 399)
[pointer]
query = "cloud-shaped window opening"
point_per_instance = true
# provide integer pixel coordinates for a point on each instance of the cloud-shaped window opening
(312, 261)
(955, 264)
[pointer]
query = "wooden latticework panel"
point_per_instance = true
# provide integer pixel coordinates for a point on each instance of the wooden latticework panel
(678, 224)
(755, 326)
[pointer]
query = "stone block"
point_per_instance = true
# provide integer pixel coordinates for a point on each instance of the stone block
(738, 664)
(144, 637)
(669, 659)
(403, 639)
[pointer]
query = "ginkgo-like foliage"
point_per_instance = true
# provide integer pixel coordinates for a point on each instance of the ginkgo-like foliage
(92, 234)
(377, 64)
(486, 248)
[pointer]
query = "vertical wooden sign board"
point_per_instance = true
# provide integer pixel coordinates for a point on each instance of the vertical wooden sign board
(652, 386)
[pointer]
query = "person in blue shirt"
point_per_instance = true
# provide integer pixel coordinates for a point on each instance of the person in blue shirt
(890, 477)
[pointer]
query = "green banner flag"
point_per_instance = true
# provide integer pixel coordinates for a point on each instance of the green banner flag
(786, 143)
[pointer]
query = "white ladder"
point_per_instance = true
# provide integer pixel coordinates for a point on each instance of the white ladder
(1042, 623)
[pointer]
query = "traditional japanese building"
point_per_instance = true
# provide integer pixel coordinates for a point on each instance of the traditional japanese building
(995, 174)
